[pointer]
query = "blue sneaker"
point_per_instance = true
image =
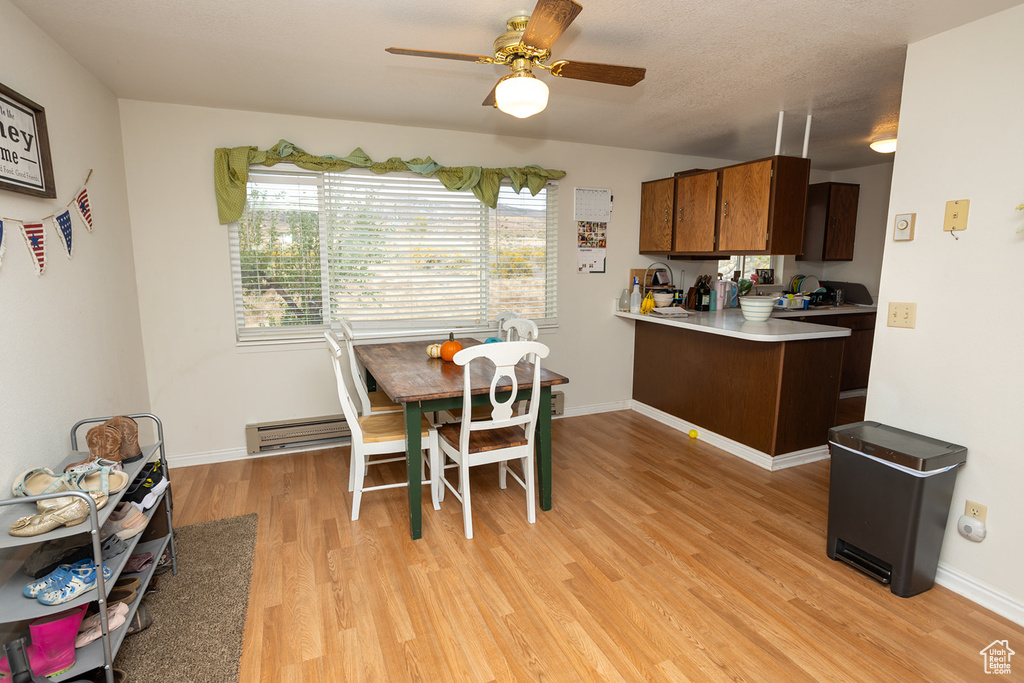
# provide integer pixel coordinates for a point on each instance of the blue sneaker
(81, 580)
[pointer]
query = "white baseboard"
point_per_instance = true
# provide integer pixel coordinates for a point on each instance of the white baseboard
(980, 593)
(736, 448)
(595, 408)
(231, 454)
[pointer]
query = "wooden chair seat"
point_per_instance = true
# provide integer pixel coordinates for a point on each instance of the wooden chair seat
(380, 403)
(480, 442)
(389, 427)
(479, 413)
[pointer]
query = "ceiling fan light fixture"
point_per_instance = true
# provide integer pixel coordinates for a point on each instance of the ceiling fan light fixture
(885, 145)
(521, 95)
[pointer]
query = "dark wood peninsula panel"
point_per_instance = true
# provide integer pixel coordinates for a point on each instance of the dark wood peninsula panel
(775, 397)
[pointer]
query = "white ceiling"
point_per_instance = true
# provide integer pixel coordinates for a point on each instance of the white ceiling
(718, 73)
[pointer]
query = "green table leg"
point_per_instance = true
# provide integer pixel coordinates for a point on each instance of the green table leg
(544, 448)
(413, 457)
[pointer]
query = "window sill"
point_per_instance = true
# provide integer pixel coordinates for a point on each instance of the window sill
(317, 342)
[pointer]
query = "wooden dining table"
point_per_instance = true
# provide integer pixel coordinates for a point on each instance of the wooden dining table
(405, 372)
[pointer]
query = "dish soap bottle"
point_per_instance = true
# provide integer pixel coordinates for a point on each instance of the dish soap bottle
(634, 297)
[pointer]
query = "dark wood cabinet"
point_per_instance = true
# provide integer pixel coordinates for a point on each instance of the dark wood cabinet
(657, 198)
(763, 205)
(831, 224)
(696, 224)
(857, 352)
(752, 208)
(857, 347)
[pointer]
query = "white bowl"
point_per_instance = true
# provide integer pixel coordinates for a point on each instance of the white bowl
(757, 309)
(663, 299)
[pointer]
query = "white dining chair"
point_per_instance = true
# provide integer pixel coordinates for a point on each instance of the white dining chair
(504, 436)
(374, 434)
(515, 329)
(369, 401)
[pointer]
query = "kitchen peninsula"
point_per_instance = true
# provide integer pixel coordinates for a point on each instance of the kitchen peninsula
(766, 392)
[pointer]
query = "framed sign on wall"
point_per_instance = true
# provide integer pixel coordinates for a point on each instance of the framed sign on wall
(24, 146)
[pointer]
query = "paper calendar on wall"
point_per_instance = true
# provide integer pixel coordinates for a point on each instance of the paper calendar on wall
(593, 209)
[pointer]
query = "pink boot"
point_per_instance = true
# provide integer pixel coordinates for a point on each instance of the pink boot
(53, 642)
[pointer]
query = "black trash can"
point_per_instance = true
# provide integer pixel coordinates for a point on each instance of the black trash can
(889, 495)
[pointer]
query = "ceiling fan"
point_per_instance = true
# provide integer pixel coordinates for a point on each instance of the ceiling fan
(525, 45)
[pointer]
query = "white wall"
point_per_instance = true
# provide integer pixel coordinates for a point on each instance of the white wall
(958, 375)
(71, 340)
(207, 389)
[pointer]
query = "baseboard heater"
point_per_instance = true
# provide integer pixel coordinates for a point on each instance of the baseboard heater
(557, 403)
(269, 436)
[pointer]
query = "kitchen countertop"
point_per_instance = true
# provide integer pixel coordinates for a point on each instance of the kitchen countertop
(845, 309)
(731, 323)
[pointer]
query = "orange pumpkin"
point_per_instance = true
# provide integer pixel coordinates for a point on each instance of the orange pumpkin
(450, 347)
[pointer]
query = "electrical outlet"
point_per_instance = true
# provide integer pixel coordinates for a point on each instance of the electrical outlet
(976, 510)
(902, 315)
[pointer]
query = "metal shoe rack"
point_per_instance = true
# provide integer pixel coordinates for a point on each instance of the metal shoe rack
(15, 607)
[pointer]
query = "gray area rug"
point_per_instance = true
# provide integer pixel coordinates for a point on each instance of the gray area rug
(198, 615)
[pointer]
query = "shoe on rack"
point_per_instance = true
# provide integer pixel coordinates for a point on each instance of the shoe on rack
(93, 465)
(53, 638)
(69, 515)
(59, 576)
(125, 522)
(83, 580)
(91, 629)
(122, 595)
(104, 444)
(101, 479)
(139, 562)
(40, 480)
(47, 504)
(129, 431)
(141, 620)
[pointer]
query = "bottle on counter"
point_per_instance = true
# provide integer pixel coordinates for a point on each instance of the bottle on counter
(634, 297)
(703, 294)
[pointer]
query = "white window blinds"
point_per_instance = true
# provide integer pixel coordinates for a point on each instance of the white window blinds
(392, 252)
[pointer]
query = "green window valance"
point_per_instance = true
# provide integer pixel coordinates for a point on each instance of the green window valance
(231, 173)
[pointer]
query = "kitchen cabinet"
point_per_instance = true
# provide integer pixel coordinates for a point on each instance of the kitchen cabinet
(762, 206)
(857, 353)
(696, 215)
(831, 222)
(752, 208)
(857, 349)
(657, 198)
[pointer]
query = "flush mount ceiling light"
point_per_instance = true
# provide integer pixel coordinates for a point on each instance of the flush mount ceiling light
(886, 145)
(521, 94)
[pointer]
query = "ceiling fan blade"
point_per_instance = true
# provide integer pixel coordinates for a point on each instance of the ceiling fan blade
(599, 73)
(548, 21)
(490, 100)
(480, 59)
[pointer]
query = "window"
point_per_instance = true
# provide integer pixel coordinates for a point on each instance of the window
(390, 253)
(746, 265)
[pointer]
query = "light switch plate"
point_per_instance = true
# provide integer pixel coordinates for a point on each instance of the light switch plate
(903, 228)
(902, 314)
(956, 215)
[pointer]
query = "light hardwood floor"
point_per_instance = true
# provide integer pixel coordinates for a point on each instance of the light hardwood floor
(663, 559)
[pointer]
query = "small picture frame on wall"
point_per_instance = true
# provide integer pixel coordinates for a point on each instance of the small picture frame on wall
(25, 164)
(765, 276)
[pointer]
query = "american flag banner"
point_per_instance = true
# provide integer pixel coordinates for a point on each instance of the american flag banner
(81, 204)
(34, 238)
(62, 224)
(3, 246)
